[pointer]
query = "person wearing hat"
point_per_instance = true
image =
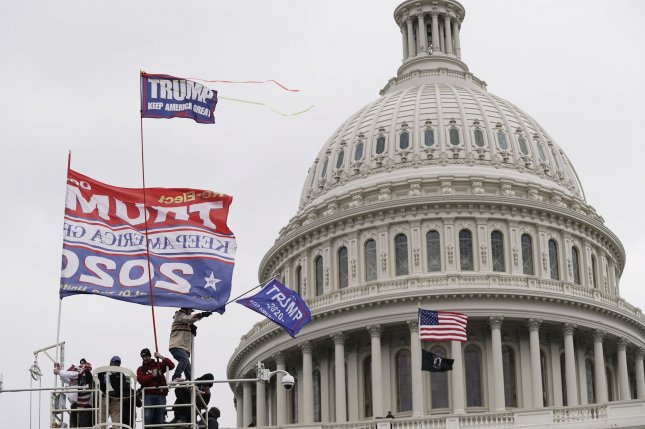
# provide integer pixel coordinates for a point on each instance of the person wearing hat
(119, 395)
(182, 332)
(151, 377)
(80, 376)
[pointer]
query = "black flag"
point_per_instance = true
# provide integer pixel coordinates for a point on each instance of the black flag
(434, 363)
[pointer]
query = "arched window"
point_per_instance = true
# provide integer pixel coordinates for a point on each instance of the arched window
(404, 140)
(591, 394)
(497, 251)
(510, 383)
(594, 277)
(370, 260)
(553, 260)
(401, 254)
(479, 137)
(433, 249)
(466, 260)
(454, 136)
(439, 383)
(358, 151)
(527, 254)
(575, 265)
(403, 381)
(501, 140)
(474, 386)
(343, 274)
(340, 158)
(380, 145)
(524, 148)
(367, 387)
(323, 173)
(317, 396)
(318, 263)
(299, 281)
(428, 137)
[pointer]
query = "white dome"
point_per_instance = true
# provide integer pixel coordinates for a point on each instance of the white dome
(453, 126)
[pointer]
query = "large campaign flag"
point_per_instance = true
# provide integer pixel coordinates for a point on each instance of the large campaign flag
(192, 251)
(164, 96)
(280, 304)
(442, 325)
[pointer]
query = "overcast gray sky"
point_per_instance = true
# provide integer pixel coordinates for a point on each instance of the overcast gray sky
(70, 82)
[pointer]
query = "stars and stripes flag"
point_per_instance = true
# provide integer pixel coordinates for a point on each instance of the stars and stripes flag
(442, 325)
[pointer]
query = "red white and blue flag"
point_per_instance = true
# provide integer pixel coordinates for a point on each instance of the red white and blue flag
(166, 97)
(280, 304)
(442, 325)
(192, 250)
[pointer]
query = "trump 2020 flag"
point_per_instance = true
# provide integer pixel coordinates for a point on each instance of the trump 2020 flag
(192, 251)
(280, 304)
(435, 363)
(164, 96)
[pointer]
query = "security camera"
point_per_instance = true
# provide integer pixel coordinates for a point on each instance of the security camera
(288, 382)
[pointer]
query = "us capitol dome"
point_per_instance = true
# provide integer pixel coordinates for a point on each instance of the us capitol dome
(441, 195)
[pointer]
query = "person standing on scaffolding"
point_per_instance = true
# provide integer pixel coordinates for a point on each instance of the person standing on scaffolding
(182, 331)
(151, 374)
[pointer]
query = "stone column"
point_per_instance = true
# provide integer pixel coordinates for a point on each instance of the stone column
(422, 34)
(556, 371)
(377, 373)
(417, 374)
(640, 374)
(239, 405)
(570, 364)
(412, 51)
(280, 393)
(404, 38)
(351, 357)
(536, 367)
(455, 32)
(247, 395)
(436, 46)
(457, 374)
(446, 27)
(339, 363)
(623, 379)
(499, 400)
(600, 376)
(581, 347)
(307, 383)
(260, 403)
(323, 355)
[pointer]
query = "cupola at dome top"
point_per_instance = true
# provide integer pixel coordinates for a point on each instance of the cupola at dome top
(430, 34)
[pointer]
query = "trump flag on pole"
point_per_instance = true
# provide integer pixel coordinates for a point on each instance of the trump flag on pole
(280, 304)
(192, 251)
(164, 96)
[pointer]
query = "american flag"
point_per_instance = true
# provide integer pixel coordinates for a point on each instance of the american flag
(442, 325)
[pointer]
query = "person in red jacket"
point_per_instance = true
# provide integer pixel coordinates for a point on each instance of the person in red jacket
(151, 375)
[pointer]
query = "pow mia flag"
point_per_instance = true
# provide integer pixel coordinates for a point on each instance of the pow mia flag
(435, 363)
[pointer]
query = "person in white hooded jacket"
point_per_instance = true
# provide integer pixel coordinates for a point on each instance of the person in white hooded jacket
(78, 417)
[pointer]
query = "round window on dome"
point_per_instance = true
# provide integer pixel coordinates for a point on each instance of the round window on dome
(404, 140)
(428, 137)
(380, 145)
(454, 137)
(479, 137)
(501, 140)
(358, 151)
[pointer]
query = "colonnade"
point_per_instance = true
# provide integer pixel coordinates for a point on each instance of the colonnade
(444, 37)
(574, 377)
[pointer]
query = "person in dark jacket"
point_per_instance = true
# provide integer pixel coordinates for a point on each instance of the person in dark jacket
(202, 398)
(119, 395)
(213, 415)
(151, 377)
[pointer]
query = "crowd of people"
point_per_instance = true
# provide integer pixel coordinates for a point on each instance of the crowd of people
(118, 399)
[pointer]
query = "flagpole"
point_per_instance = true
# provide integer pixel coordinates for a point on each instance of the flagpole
(145, 212)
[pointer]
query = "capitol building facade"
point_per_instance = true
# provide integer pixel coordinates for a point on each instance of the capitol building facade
(443, 196)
